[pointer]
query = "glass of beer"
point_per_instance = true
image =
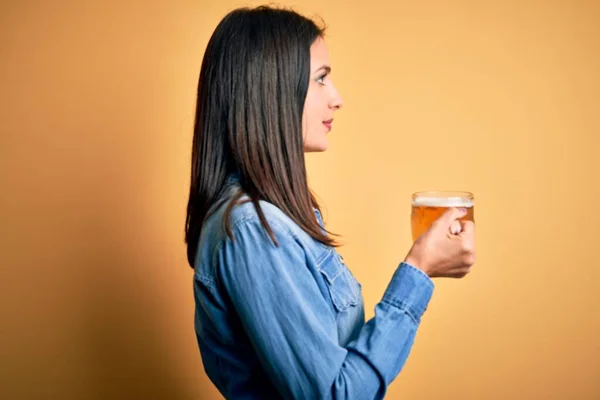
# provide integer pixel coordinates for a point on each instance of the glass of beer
(429, 206)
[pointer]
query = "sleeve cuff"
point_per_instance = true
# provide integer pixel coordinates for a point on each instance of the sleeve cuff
(410, 290)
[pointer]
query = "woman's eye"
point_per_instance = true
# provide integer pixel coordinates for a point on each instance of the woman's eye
(321, 80)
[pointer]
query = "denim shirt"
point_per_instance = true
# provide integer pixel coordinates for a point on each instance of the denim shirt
(288, 321)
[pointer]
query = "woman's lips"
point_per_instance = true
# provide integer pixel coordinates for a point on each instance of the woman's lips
(328, 123)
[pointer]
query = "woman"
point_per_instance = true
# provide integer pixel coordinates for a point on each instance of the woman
(278, 313)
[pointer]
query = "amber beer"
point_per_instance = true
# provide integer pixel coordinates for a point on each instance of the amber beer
(428, 206)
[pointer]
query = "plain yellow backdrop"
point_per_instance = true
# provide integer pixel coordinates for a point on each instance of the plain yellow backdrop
(500, 98)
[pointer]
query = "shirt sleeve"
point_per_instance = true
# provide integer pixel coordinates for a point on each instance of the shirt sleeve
(293, 329)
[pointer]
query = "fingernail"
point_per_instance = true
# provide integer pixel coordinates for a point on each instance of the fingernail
(463, 210)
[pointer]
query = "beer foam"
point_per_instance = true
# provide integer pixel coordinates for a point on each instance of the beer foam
(442, 202)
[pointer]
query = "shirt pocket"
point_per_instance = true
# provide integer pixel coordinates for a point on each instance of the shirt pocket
(343, 287)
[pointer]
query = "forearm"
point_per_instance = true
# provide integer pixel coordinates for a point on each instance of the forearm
(376, 357)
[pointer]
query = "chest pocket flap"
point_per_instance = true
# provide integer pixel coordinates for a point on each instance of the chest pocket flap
(343, 287)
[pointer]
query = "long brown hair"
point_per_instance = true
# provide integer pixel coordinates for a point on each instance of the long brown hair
(251, 92)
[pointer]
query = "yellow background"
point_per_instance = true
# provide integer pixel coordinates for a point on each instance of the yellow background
(500, 98)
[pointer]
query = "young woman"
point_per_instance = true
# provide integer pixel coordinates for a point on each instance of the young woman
(278, 313)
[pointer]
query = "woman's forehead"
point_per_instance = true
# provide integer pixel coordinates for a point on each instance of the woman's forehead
(319, 55)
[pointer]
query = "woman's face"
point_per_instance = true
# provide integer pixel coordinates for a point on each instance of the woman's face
(322, 100)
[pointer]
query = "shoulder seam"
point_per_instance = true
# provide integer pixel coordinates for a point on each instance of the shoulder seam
(248, 219)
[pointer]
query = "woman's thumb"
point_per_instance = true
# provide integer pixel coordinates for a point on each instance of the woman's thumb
(451, 215)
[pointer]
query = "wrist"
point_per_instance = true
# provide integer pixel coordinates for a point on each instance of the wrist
(418, 263)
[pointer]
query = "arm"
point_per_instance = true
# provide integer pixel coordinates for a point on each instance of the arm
(293, 329)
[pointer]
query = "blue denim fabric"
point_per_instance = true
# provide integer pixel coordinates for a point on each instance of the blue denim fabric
(288, 321)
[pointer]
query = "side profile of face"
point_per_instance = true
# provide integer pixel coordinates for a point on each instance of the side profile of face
(322, 100)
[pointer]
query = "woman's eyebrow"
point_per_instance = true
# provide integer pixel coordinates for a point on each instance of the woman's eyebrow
(327, 69)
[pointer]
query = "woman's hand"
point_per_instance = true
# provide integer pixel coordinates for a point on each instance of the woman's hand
(447, 248)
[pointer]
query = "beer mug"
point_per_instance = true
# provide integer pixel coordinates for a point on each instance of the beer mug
(429, 206)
